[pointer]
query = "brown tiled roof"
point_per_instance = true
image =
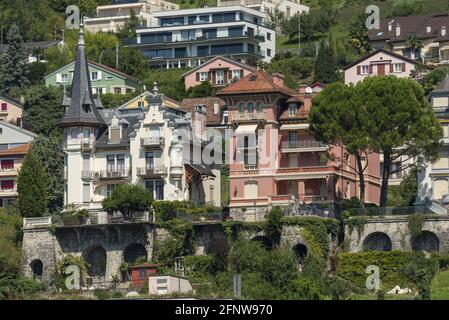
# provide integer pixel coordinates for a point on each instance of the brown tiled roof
(412, 25)
(256, 82)
(392, 54)
(22, 149)
(226, 59)
(212, 119)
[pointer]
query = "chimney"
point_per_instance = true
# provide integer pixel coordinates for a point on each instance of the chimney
(443, 31)
(216, 106)
(302, 88)
(199, 122)
(398, 30)
(428, 29)
(278, 79)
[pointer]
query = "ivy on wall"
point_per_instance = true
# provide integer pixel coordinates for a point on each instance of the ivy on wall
(356, 223)
(415, 224)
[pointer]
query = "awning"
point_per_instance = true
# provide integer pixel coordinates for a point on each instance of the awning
(296, 126)
(201, 169)
(444, 48)
(246, 129)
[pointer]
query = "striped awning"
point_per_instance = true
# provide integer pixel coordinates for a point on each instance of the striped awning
(295, 126)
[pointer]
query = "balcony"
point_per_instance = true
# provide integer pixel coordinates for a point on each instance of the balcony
(8, 171)
(152, 142)
(102, 218)
(112, 174)
(8, 192)
(248, 116)
(86, 145)
(87, 175)
(303, 146)
(147, 172)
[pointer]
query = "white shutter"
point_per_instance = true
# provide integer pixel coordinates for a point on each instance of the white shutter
(58, 78)
(99, 75)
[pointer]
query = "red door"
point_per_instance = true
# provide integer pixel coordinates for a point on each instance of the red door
(381, 69)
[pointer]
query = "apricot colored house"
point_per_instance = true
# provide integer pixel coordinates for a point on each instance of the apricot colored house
(10, 110)
(219, 71)
(273, 158)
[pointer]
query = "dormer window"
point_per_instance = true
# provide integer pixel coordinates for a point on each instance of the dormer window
(87, 108)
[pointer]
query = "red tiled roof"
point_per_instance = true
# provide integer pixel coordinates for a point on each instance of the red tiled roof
(212, 119)
(226, 59)
(256, 82)
(23, 149)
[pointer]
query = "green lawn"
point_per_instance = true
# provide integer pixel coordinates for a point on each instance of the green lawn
(439, 289)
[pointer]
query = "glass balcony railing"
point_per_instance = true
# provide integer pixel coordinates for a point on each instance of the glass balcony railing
(302, 144)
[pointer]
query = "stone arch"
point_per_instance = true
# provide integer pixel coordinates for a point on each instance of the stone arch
(427, 241)
(96, 258)
(37, 268)
(377, 241)
(134, 251)
(301, 251)
(264, 241)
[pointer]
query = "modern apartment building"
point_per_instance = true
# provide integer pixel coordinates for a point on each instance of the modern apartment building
(104, 79)
(188, 38)
(288, 8)
(151, 146)
(430, 30)
(433, 180)
(110, 18)
(273, 158)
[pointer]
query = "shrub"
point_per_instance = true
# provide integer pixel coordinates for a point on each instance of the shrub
(199, 264)
(60, 268)
(305, 288)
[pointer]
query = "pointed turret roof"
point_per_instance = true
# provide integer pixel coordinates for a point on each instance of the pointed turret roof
(82, 108)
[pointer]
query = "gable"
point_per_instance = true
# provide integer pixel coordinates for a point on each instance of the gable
(11, 134)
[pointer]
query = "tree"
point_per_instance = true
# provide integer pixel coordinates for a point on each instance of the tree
(42, 109)
(358, 34)
(205, 89)
(128, 199)
(338, 118)
(413, 43)
(402, 124)
(273, 228)
(32, 187)
(49, 151)
(325, 70)
(15, 62)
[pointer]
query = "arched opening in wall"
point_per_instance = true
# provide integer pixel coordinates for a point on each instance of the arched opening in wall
(134, 252)
(37, 268)
(264, 241)
(301, 252)
(427, 241)
(377, 241)
(96, 258)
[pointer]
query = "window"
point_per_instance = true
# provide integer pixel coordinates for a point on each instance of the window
(117, 90)
(86, 135)
(7, 164)
(7, 184)
(64, 77)
(142, 273)
(292, 110)
(94, 75)
(269, 52)
(236, 74)
(365, 69)
(268, 36)
(292, 137)
(250, 107)
(259, 106)
(4, 106)
(241, 107)
(110, 163)
(398, 67)
(141, 104)
(110, 189)
(155, 188)
(74, 133)
(203, 76)
(86, 193)
(1, 130)
(219, 77)
(149, 160)
(121, 163)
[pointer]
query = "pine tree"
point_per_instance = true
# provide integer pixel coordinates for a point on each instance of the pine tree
(32, 187)
(15, 66)
(325, 70)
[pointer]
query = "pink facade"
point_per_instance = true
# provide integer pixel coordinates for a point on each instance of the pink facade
(289, 166)
(219, 71)
(379, 63)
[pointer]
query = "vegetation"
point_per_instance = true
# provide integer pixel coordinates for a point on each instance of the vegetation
(128, 199)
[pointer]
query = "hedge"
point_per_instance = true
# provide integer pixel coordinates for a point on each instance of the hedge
(352, 266)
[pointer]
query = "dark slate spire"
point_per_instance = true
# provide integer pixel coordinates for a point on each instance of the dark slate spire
(82, 109)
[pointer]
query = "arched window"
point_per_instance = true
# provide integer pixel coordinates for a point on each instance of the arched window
(37, 268)
(241, 107)
(259, 106)
(250, 107)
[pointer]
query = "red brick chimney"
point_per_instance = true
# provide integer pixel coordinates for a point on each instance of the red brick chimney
(278, 79)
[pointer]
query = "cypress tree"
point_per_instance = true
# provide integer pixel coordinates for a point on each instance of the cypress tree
(325, 70)
(32, 187)
(15, 66)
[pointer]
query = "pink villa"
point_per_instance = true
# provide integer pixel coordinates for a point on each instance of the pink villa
(219, 71)
(379, 63)
(284, 165)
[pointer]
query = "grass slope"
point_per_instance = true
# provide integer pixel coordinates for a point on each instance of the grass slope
(439, 288)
